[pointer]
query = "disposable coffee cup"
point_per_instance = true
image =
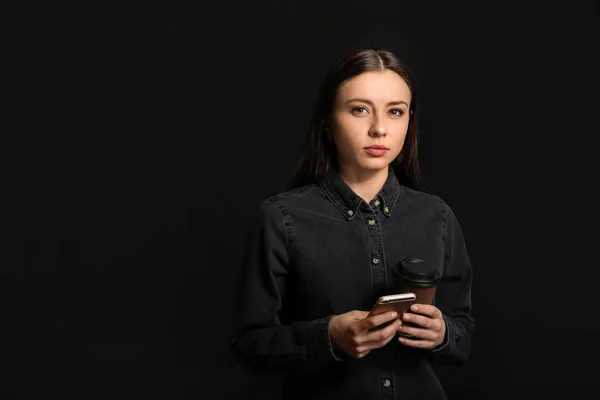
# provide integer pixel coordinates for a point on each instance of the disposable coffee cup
(413, 275)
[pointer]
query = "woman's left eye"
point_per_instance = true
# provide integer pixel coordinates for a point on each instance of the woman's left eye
(359, 110)
(397, 111)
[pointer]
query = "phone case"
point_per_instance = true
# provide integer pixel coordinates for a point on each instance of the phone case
(398, 303)
(399, 307)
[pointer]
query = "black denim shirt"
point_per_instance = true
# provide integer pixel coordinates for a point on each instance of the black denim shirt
(312, 254)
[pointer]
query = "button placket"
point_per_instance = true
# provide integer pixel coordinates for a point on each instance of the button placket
(373, 224)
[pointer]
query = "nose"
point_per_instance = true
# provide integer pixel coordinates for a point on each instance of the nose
(378, 129)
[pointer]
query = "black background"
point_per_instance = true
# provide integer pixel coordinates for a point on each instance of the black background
(142, 138)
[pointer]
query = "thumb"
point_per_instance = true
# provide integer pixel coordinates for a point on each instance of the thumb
(357, 314)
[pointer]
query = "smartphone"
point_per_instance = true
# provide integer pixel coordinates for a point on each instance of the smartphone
(393, 302)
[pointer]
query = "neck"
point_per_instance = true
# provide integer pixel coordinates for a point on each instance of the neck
(366, 184)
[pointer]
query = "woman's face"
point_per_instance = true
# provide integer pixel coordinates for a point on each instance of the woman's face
(370, 120)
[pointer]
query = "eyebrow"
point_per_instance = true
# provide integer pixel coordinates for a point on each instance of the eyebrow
(391, 103)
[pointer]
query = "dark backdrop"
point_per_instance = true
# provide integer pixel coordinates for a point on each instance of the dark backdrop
(143, 138)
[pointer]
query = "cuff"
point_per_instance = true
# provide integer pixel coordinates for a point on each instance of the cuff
(323, 348)
(450, 333)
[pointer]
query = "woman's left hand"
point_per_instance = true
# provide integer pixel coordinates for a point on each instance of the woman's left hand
(431, 330)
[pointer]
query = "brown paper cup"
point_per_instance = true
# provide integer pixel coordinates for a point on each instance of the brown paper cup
(413, 275)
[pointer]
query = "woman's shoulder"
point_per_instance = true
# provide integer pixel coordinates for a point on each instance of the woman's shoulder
(424, 199)
(300, 196)
(301, 192)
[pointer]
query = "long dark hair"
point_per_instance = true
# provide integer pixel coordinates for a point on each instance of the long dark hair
(320, 154)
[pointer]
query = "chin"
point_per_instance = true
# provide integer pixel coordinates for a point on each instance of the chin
(375, 165)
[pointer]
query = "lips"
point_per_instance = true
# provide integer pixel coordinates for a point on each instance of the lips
(377, 147)
(377, 150)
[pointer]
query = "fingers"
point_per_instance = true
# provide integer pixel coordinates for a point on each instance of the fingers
(362, 354)
(383, 333)
(376, 344)
(428, 330)
(419, 344)
(426, 309)
(377, 339)
(424, 334)
(434, 324)
(368, 346)
(356, 314)
(376, 320)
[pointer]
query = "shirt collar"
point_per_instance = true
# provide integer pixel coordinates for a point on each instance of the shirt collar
(348, 202)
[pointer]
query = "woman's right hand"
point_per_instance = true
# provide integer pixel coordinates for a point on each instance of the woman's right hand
(350, 331)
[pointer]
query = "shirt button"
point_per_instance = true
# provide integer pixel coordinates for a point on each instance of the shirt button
(386, 210)
(371, 222)
(350, 212)
(376, 203)
(387, 383)
(376, 260)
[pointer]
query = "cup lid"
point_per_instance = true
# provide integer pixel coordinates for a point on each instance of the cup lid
(417, 271)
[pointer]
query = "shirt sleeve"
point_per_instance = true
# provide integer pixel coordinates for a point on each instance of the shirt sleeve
(453, 295)
(260, 339)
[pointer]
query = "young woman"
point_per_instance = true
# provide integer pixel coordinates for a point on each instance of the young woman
(319, 255)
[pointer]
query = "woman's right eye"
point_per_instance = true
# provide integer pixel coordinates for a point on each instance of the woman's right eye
(359, 110)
